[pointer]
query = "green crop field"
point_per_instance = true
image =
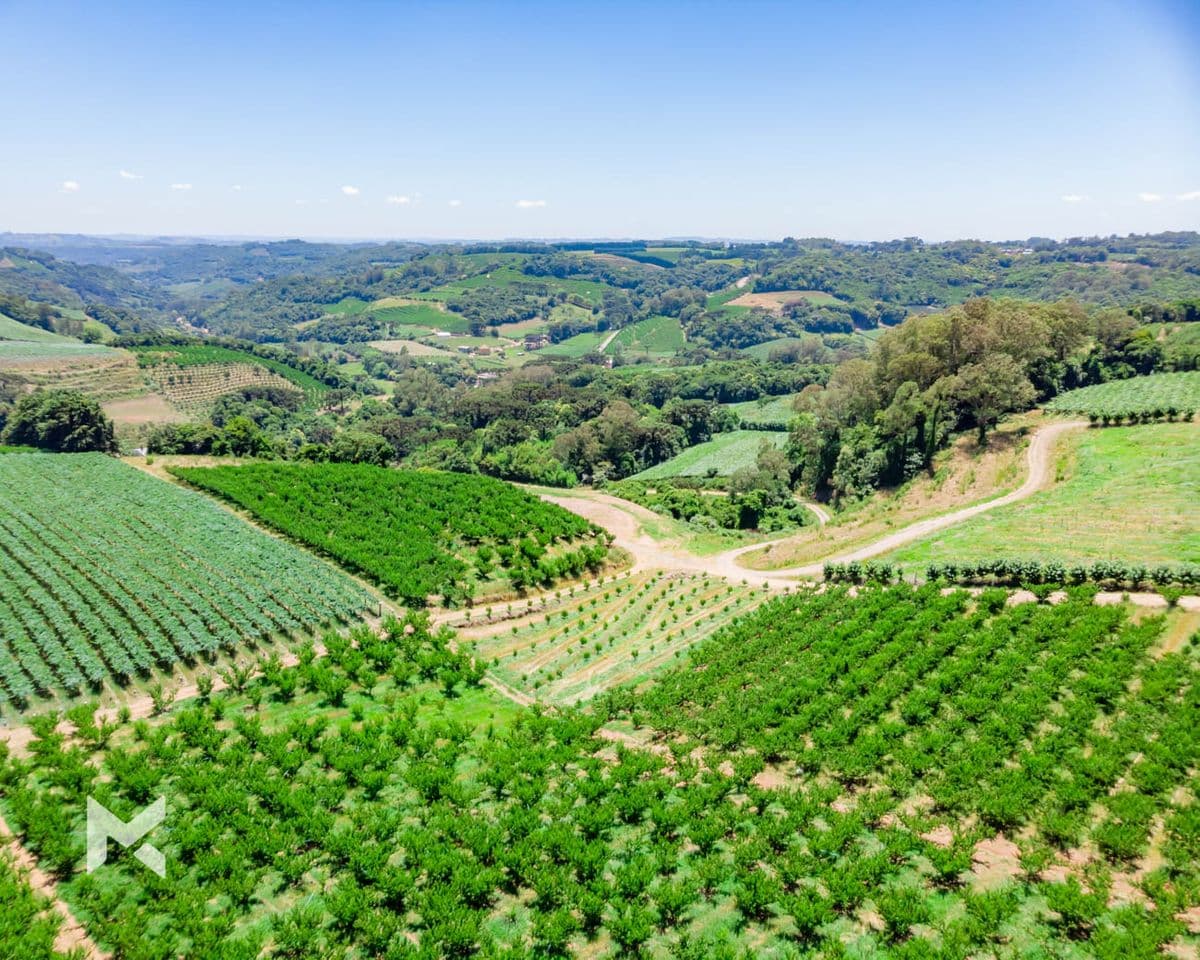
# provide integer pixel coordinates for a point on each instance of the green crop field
(886, 775)
(1129, 493)
(582, 643)
(776, 411)
(415, 533)
(109, 573)
(718, 457)
(1158, 395)
(655, 336)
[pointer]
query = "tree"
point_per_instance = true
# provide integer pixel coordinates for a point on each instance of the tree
(61, 420)
(358, 446)
(995, 385)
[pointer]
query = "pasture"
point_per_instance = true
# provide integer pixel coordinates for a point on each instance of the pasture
(718, 457)
(654, 336)
(11, 329)
(1123, 493)
(775, 412)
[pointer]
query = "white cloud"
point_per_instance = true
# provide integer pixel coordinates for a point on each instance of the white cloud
(302, 203)
(1190, 195)
(456, 203)
(237, 187)
(128, 175)
(396, 200)
(1073, 198)
(181, 186)
(530, 204)
(69, 186)
(1149, 197)
(350, 191)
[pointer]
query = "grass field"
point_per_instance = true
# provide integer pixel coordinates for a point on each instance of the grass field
(422, 315)
(109, 574)
(777, 411)
(58, 350)
(577, 346)
(654, 336)
(11, 329)
(350, 306)
(963, 475)
(1125, 493)
(584, 642)
(718, 457)
(1158, 394)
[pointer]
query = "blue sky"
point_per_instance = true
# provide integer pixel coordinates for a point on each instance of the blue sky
(488, 120)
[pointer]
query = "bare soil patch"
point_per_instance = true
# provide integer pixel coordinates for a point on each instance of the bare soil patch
(151, 408)
(776, 300)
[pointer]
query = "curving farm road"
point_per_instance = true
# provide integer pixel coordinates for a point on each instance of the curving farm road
(622, 519)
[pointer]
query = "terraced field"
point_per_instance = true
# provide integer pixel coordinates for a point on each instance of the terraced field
(584, 642)
(165, 361)
(99, 372)
(196, 387)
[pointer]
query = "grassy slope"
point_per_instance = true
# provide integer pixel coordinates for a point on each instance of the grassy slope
(773, 410)
(11, 329)
(725, 453)
(1128, 493)
(660, 336)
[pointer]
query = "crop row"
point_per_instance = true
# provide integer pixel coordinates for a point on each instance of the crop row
(912, 686)
(1013, 571)
(137, 574)
(1160, 395)
(199, 385)
(415, 533)
(590, 643)
(396, 829)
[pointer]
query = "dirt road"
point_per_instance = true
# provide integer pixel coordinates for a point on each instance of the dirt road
(625, 521)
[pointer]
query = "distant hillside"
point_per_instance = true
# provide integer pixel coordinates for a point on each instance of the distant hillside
(44, 278)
